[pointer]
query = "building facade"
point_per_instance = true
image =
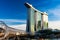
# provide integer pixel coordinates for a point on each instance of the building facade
(36, 20)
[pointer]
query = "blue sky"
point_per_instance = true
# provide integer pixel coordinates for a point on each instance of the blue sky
(14, 12)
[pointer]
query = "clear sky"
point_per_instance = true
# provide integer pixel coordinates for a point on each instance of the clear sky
(14, 12)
